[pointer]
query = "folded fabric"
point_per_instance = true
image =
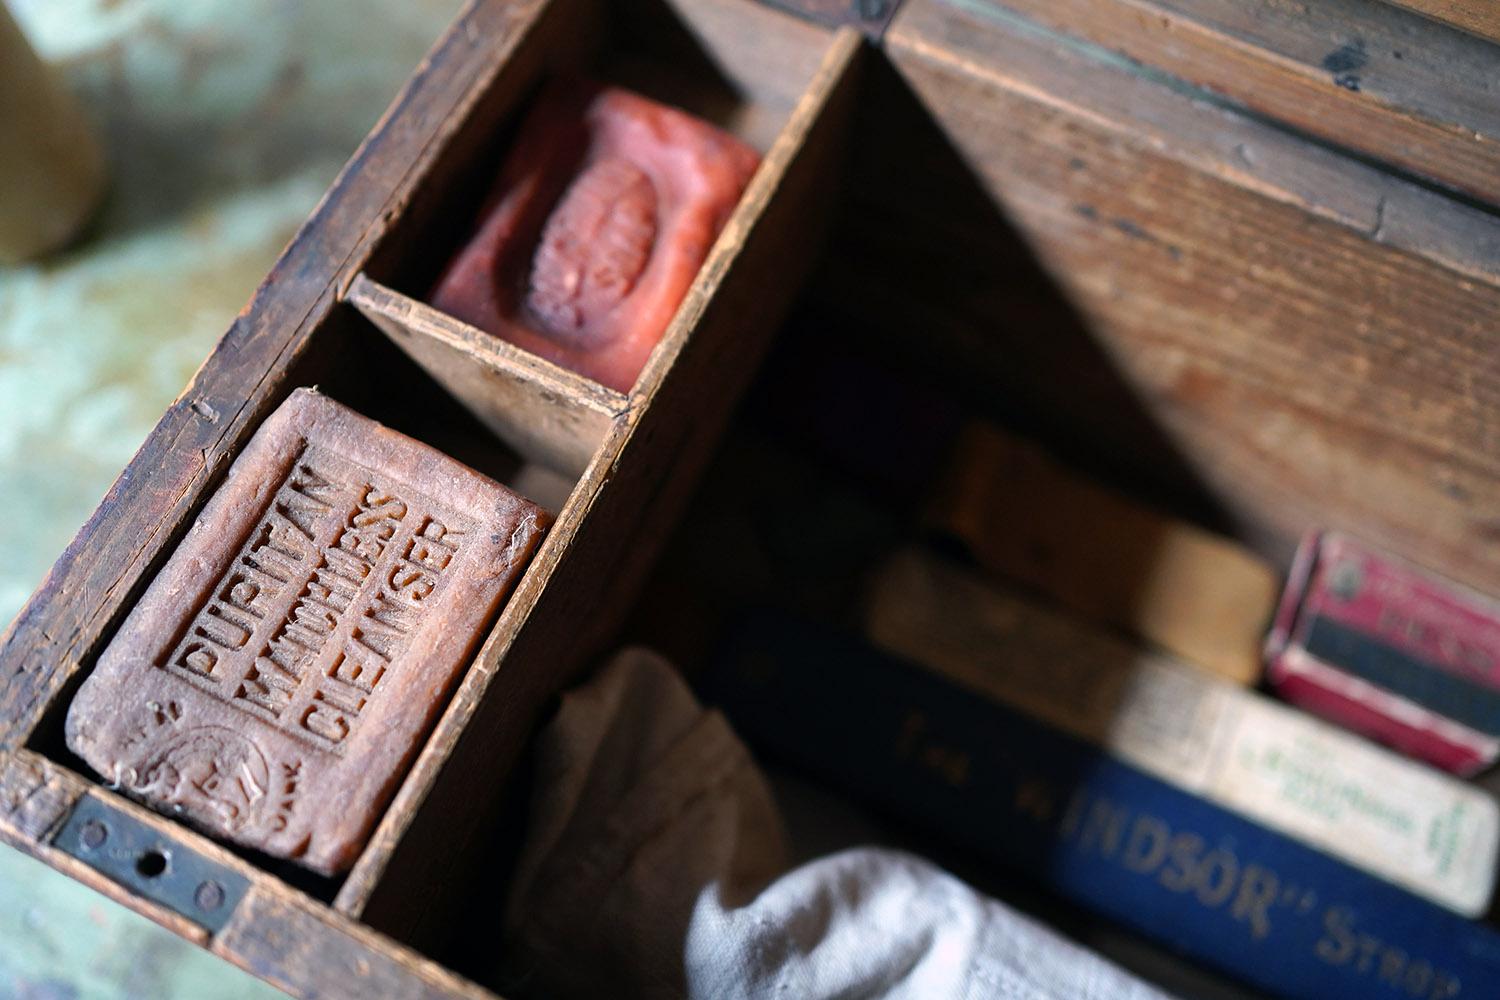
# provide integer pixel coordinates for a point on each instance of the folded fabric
(654, 867)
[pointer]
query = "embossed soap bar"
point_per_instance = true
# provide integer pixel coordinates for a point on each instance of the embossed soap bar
(277, 677)
(603, 212)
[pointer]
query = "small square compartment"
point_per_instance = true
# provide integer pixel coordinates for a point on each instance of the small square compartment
(685, 53)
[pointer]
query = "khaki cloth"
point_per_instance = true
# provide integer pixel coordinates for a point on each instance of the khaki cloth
(655, 866)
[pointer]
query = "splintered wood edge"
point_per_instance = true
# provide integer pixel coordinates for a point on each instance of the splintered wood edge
(752, 205)
(369, 869)
(376, 302)
(307, 940)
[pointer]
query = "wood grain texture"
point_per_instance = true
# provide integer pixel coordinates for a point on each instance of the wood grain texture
(41, 781)
(1304, 374)
(1363, 76)
(548, 414)
(99, 573)
(309, 952)
(1478, 17)
(1217, 140)
(606, 537)
(276, 933)
(35, 796)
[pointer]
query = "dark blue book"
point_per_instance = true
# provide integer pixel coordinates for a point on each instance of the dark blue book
(1217, 887)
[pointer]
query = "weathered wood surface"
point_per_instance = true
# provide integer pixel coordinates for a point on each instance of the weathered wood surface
(1184, 322)
(1363, 76)
(1169, 123)
(275, 933)
(607, 536)
(150, 504)
(302, 948)
(1479, 17)
(547, 413)
(35, 796)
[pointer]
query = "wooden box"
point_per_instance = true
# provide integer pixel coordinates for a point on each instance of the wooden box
(1243, 260)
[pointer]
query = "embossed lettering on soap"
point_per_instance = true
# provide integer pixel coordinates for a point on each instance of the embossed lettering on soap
(278, 675)
(321, 599)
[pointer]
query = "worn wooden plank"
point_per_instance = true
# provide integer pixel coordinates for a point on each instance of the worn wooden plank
(547, 413)
(597, 553)
(247, 374)
(309, 951)
(276, 932)
(1295, 370)
(35, 796)
(1363, 76)
(49, 793)
(1478, 17)
(1218, 140)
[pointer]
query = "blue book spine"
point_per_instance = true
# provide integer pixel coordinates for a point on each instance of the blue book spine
(1197, 877)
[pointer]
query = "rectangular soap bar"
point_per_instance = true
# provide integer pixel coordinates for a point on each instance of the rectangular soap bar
(603, 212)
(277, 676)
(1424, 831)
(1026, 518)
(1390, 650)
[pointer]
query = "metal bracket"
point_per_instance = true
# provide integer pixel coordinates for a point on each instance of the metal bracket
(870, 16)
(151, 864)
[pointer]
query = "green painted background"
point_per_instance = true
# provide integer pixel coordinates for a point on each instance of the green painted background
(224, 121)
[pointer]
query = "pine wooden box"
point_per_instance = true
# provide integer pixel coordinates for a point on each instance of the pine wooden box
(1270, 308)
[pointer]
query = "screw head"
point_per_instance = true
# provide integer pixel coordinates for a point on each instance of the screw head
(94, 834)
(209, 895)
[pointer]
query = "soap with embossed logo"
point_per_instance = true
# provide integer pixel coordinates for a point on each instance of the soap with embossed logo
(277, 677)
(604, 210)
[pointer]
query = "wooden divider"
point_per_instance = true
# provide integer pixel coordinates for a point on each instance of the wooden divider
(547, 413)
(582, 581)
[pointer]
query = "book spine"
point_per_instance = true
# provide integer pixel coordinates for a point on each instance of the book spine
(1024, 516)
(1199, 877)
(1295, 774)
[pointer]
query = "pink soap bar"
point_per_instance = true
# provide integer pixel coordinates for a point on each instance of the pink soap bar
(1390, 650)
(603, 212)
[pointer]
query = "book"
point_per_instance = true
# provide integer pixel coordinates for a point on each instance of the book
(1396, 819)
(1199, 877)
(1026, 518)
